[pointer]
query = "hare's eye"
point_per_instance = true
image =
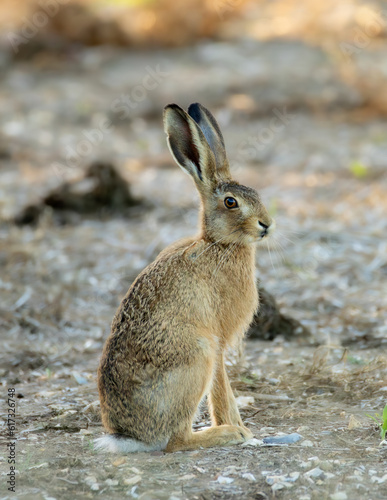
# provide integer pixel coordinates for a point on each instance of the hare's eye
(230, 202)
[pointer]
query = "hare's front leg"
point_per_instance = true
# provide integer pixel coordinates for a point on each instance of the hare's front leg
(223, 406)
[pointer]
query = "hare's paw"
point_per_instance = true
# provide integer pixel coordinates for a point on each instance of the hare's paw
(246, 432)
(236, 434)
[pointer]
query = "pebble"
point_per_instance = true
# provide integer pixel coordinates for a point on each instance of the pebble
(293, 476)
(307, 444)
(354, 423)
(242, 401)
(267, 429)
(326, 465)
(92, 482)
(282, 440)
(278, 482)
(253, 442)
(132, 480)
(224, 480)
(379, 480)
(315, 473)
(340, 495)
(186, 477)
(111, 482)
(249, 476)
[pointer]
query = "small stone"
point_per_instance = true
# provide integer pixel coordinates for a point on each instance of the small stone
(253, 442)
(92, 482)
(85, 432)
(340, 495)
(282, 440)
(230, 469)
(132, 480)
(111, 482)
(267, 429)
(284, 481)
(379, 480)
(354, 423)
(186, 477)
(80, 379)
(293, 476)
(249, 477)
(243, 401)
(315, 473)
(119, 461)
(224, 480)
(326, 465)
(307, 444)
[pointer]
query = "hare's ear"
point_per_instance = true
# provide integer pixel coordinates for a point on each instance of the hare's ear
(189, 146)
(211, 130)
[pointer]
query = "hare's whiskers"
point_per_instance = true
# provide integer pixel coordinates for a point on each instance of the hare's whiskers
(271, 260)
(278, 250)
(282, 233)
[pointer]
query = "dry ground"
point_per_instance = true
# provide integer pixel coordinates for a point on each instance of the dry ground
(323, 177)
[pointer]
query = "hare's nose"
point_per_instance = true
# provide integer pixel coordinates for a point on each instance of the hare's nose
(264, 227)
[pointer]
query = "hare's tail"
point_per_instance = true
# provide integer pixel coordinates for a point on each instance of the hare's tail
(119, 443)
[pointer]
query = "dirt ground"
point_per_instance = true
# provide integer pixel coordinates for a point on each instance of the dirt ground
(321, 171)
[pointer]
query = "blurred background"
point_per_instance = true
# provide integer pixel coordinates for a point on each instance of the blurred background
(89, 193)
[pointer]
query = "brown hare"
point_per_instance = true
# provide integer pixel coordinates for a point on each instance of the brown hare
(169, 336)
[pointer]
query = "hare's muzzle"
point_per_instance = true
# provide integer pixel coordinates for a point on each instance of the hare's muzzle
(266, 229)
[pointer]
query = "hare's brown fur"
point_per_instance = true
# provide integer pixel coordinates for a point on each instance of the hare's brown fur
(172, 329)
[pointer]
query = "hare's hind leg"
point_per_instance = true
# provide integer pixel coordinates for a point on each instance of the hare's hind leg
(223, 435)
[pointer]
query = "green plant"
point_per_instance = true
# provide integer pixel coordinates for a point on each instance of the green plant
(90, 444)
(381, 420)
(358, 169)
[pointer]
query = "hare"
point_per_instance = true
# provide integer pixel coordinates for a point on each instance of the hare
(169, 336)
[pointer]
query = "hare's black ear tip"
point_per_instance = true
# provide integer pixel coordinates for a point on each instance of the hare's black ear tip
(173, 107)
(194, 110)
